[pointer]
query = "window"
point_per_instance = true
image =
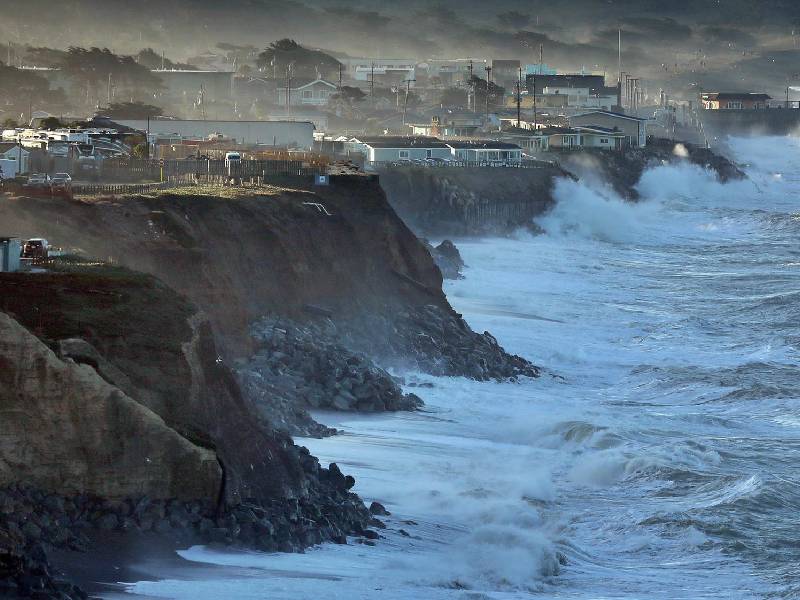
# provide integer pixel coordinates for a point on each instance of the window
(307, 94)
(734, 105)
(403, 153)
(428, 153)
(603, 140)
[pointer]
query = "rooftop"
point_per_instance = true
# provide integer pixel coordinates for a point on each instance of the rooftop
(483, 145)
(610, 114)
(736, 96)
(402, 142)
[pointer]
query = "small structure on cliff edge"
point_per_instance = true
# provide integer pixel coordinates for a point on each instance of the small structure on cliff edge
(10, 250)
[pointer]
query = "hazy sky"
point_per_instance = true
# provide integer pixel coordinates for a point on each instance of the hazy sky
(740, 41)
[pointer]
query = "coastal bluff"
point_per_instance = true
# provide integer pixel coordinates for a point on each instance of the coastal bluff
(452, 201)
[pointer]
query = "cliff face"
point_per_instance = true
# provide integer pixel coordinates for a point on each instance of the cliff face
(338, 253)
(241, 258)
(151, 345)
(63, 428)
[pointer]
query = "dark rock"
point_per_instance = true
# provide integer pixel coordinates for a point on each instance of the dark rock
(378, 509)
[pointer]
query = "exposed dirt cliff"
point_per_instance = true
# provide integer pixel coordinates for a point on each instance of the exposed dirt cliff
(151, 344)
(63, 428)
(339, 252)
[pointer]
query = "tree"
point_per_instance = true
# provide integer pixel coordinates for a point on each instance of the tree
(152, 60)
(349, 95)
(305, 63)
(496, 93)
(51, 123)
(129, 110)
(10, 124)
(21, 90)
(90, 70)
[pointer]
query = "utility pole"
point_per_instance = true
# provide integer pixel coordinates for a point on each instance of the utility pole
(405, 104)
(619, 67)
(340, 76)
(372, 84)
(108, 91)
(488, 90)
(519, 97)
(535, 125)
(541, 58)
(471, 90)
(288, 89)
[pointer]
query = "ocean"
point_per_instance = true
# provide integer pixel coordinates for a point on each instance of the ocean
(655, 458)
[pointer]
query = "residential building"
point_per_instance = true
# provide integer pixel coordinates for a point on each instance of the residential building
(734, 100)
(536, 82)
(538, 69)
(451, 72)
(453, 123)
(485, 151)
(380, 149)
(633, 128)
(309, 93)
(578, 97)
(600, 137)
(13, 159)
(531, 141)
(562, 137)
(284, 134)
(387, 72)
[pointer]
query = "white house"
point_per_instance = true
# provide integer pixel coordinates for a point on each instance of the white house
(600, 137)
(386, 71)
(393, 149)
(633, 128)
(312, 93)
(13, 159)
(485, 151)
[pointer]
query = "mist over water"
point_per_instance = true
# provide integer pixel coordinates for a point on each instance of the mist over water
(657, 456)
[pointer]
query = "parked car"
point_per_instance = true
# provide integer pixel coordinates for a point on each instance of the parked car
(38, 180)
(61, 181)
(36, 249)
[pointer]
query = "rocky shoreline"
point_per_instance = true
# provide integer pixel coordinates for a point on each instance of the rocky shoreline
(298, 368)
(34, 523)
(143, 415)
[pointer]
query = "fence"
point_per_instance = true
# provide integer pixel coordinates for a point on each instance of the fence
(163, 170)
(91, 189)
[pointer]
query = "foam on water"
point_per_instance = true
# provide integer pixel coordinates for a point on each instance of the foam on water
(660, 463)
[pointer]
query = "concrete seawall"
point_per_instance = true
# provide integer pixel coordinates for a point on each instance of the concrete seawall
(455, 201)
